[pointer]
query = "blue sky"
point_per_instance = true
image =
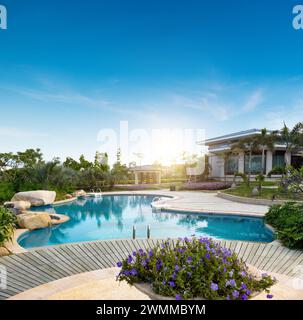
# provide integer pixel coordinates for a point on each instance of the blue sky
(70, 70)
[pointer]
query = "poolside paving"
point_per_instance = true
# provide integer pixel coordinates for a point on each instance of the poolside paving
(197, 201)
(93, 285)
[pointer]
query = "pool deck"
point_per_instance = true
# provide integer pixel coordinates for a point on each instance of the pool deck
(42, 268)
(36, 268)
(197, 201)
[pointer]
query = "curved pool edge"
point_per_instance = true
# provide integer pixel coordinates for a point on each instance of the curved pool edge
(163, 206)
(160, 240)
(13, 246)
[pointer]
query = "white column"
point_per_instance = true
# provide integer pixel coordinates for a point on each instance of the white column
(222, 168)
(159, 177)
(241, 163)
(136, 178)
(288, 158)
(269, 159)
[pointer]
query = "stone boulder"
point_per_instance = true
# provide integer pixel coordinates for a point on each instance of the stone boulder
(3, 252)
(233, 186)
(79, 193)
(34, 221)
(9, 204)
(36, 198)
(22, 205)
(255, 192)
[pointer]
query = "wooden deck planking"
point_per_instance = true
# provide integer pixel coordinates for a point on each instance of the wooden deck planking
(36, 267)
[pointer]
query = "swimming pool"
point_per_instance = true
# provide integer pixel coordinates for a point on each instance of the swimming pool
(113, 217)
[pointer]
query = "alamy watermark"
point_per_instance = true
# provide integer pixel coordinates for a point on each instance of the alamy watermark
(298, 19)
(3, 17)
(3, 278)
(163, 145)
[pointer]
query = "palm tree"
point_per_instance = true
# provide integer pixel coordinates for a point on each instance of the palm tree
(225, 156)
(266, 140)
(246, 145)
(49, 175)
(292, 138)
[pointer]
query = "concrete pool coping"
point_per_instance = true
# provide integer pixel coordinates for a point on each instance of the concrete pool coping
(177, 201)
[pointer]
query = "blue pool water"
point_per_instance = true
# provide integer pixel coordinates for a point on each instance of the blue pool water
(113, 217)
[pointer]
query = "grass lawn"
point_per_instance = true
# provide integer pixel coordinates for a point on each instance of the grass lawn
(244, 191)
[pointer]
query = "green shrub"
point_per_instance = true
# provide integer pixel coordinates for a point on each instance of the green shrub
(196, 267)
(6, 191)
(260, 178)
(7, 225)
(244, 177)
(276, 171)
(287, 219)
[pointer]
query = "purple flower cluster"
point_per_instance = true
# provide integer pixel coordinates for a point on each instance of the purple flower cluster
(173, 270)
(206, 186)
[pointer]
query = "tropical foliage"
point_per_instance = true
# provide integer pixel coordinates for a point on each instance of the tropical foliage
(292, 181)
(29, 171)
(292, 138)
(247, 145)
(7, 225)
(277, 171)
(287, 219)
(196, 267)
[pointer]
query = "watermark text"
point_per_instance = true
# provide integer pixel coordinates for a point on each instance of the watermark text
(3, 17)
(298, 19)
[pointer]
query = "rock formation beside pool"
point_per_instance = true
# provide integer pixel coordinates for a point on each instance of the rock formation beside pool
(22, 205)
(3, 252)
(79, 193)
(34, 221)
(36, 198)
(39, 220)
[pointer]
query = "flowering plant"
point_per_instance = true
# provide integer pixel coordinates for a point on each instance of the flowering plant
(193, 268)
(206, 186)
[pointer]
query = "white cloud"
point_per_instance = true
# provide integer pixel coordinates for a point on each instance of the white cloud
(75, 98)
(20, 133)
(208, 105)
(253, 101)
(65, 97)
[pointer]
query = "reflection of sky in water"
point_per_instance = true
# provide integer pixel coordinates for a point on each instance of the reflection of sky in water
(112, 217)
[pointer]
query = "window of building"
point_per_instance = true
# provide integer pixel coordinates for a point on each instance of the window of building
(278, 159)
(231, 165)
(256, 164)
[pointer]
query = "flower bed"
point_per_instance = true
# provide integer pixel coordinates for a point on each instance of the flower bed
(193, 268)
(205, 186)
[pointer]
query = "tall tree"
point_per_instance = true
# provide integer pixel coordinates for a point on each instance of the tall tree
(292, 138)
(71, 163)
(119, 171)
(101, 161)
(247, 145)
(225, 155)
(266, 140)
(30, 157)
